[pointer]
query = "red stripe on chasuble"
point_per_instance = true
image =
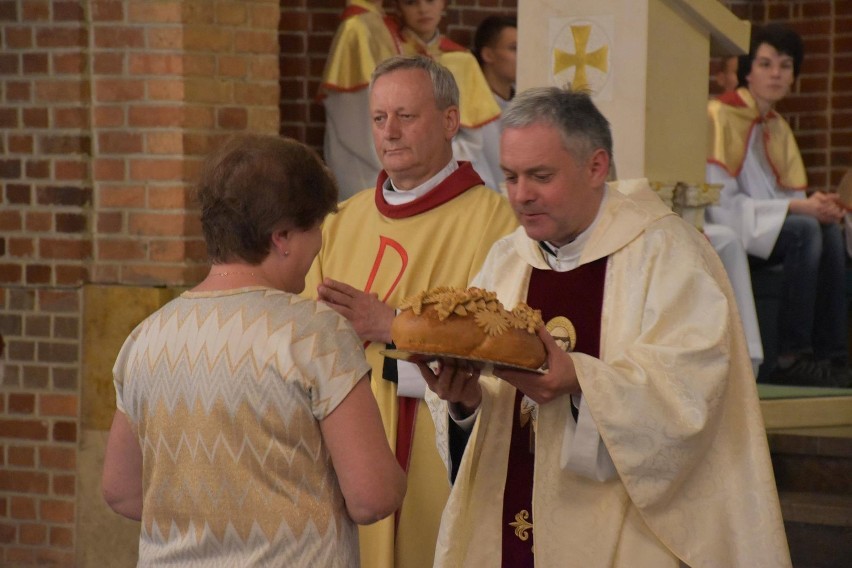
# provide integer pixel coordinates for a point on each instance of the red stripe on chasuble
(405, 435)
(578, 296)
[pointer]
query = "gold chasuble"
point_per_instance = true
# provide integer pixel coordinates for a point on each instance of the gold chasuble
(732, 117)
(477, 106)
(364, 39)
(439, 239)
(674, 402)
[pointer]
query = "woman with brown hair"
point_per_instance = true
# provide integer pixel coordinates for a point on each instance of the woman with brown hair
(246, 432)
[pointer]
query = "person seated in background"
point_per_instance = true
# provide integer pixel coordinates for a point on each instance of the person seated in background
(495, 46)
(236, 402)
(765, 200)
(363, 40)
(419, 34)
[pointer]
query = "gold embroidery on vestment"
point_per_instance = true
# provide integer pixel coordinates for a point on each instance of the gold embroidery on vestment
(522, 525)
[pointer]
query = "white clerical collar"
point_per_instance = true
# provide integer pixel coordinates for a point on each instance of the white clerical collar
(567, 257)
(394, 196)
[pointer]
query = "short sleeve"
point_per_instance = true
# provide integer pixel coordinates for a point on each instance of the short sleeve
(334, 362)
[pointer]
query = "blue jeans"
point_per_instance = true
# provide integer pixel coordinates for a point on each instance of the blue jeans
(813, 303)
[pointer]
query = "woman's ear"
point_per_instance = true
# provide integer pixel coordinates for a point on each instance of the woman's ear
(281, 241)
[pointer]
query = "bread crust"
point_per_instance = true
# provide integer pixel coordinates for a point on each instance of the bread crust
(433, 322)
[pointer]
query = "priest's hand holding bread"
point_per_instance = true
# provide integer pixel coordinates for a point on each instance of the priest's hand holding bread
(473, 325)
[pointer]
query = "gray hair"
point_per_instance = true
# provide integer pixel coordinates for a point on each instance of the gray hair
(582, 126)
(444, 86)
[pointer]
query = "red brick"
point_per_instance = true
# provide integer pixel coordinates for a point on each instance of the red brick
(23, 481)
(107, 10)
(71, 275)
(36, 11)
(65, 248)
(60, 91)
(65, 432)
(155, 64)
(113, 37)
(120, 142)
(109, 222)
(61, 537)
(11, 220)
(119, 90)
(122, 196)
(200, 64)
(21, 403)
(10, 273)
(154, 169)
(66, 327)
(70, 117)
(38, 169)
(109, 63)
(58, 301)
(165, 89)
(164, 38)
(21, 144)
(64, 484)
(22, 507)
(54, 352)
(105, 117)
(69, 63)
(164, 142)
(121, 249)
(37, 326)
(39, 221)
(21, 456)
(32, 534)
(106, 169)
(8, 533)
(17, 194)
(56, 511)
(157, 12)
(57, 458)
(234, 118)
(58, 405)
(18, 38)
(36, 117)
(64, 195)
(23, 429)
(155, 116)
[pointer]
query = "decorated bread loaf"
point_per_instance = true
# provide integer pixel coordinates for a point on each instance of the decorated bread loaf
(469, 323)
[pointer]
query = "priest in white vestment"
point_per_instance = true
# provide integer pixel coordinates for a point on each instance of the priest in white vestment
(650, 454)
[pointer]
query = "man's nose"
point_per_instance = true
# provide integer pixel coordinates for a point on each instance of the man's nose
(523, 191)
(392, 127)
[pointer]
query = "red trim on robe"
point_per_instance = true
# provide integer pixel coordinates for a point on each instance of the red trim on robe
(350, 11)
(446, 44)
(454, 185)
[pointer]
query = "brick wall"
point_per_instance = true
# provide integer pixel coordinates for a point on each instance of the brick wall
(819, 109)
(106, 108)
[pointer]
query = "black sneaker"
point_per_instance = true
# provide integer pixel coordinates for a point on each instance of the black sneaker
(839, 373)
(805, 372)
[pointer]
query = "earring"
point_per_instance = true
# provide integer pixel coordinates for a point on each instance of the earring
(286, 253)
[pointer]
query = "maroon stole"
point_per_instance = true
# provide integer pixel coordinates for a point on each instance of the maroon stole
(577, 295)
